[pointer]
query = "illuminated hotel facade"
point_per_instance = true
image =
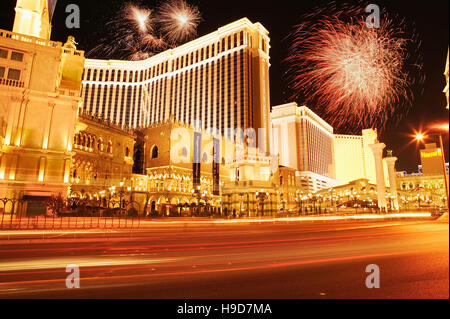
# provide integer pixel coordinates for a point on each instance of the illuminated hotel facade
(305, 142)
(220, 80)
(354, 158)
(40, 86)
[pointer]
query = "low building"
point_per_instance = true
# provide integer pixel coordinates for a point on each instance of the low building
(103, 158)
(191, 171)
(421, 190)
(356, 194)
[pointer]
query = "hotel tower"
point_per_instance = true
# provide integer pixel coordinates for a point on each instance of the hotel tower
(214, 83)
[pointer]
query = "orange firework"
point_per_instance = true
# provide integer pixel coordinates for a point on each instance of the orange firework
(356, 75)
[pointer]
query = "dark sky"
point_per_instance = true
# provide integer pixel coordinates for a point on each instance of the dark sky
(431, 20)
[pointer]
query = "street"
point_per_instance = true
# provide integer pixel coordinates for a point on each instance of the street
(282, 260)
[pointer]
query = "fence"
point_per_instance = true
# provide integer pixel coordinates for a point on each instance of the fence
(73, 213)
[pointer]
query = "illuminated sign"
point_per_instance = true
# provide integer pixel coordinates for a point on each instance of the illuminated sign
(437, 153)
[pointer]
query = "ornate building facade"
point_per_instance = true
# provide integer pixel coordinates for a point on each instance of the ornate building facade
(103, 157)
(192, 171)
(40, 93)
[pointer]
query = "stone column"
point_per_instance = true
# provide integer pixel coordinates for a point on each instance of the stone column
(390, 162)
(377, 150)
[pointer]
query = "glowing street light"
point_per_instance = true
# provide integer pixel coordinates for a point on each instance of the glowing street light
(420, 137)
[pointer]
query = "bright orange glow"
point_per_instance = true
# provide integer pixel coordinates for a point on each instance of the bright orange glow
(441, 127)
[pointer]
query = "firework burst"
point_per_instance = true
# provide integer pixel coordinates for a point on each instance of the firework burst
(178, 20)
(137, 32)
(358, 77)
(140, 17)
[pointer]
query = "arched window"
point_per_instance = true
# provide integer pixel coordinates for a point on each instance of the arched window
(127, 152)
(100, 145)
(109, 149)
(155, 152)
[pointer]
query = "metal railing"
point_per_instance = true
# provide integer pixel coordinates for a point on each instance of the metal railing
(68, 214)
(10, 82)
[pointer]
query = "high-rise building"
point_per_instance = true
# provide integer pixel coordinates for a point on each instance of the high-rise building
(219, 81)
(304, 141)
(40, 86)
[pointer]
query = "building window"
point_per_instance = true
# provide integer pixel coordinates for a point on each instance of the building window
(127, 152)
(155, 152)
(3, 53)
(14, 74)
(2, 72)
(100, 145)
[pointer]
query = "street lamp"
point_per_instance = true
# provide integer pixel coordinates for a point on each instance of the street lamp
(421, 137)
(262, 196)
(121, 195)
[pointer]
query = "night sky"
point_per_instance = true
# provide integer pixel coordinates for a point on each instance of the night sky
(431, 22)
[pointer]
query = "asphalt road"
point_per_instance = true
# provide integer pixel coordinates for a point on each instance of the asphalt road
(236, 260)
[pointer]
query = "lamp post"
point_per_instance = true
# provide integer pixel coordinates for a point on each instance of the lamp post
(121, 194)
(421, 137)
(262, 196)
